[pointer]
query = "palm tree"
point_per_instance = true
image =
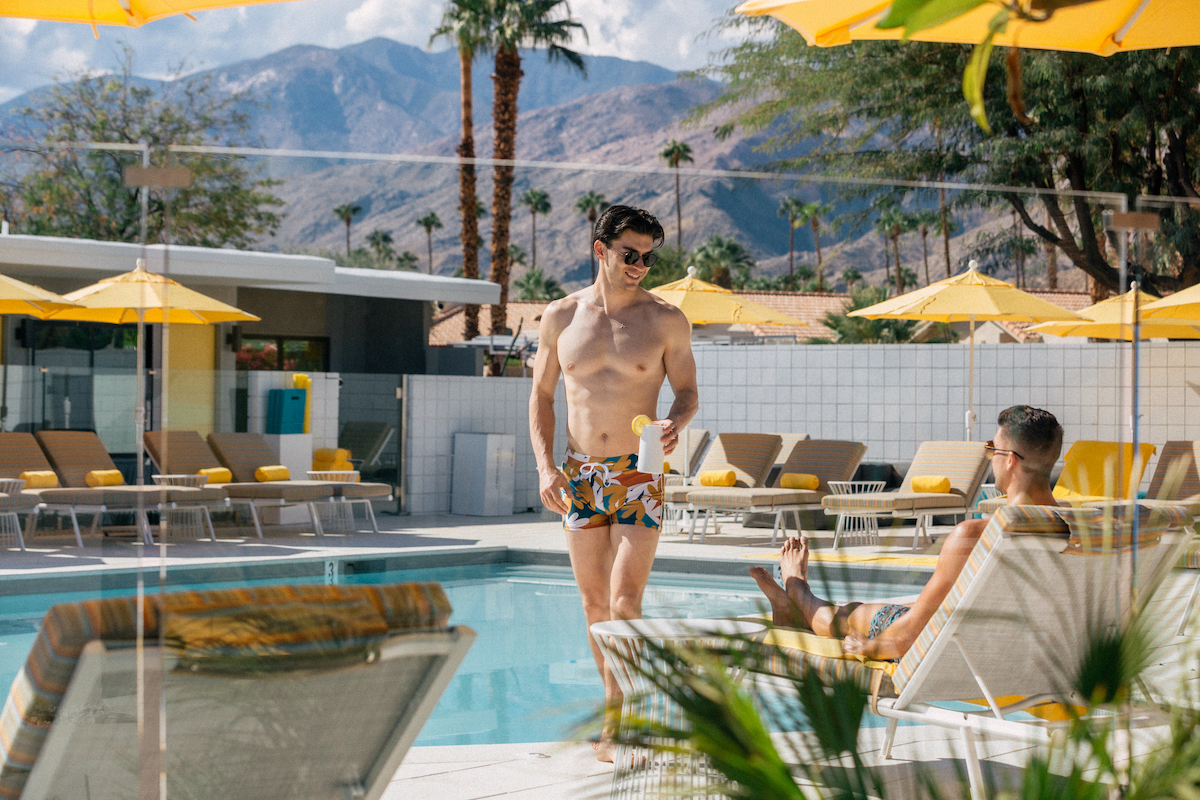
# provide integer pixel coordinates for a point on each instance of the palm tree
(790, 207)
(851, 276)
(538, 202)
(465, 23)
(724, 260)
(515, 254)
(430, 222)
(810, 214)
(590, 205)
(381, 243)
(346, 213)
(894, 223)
(927, 221)
(517, 24)
(677, 152)
(407, 261)
(534, 286)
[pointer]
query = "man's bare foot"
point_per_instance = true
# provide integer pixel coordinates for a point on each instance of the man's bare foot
(606, 750)
(783, 611)
(793, 559)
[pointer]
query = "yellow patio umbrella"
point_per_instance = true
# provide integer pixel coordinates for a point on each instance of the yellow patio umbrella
(1184, 304)
(1113, 319)
(706, 303)
(143, 297)
(127, 13)
(18, 297)
(1101, 27)
(970, 297)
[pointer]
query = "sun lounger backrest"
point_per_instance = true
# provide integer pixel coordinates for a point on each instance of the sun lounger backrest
(1189, 486)
(1027, 602)
(698, 438)
(1090, 469)
(786, 444)
(74, 454)
(20, 452)
(242, 453)
(749, 455)
(365, 440)
(179, 452)
(314, 613)
(828, 459)
(964, 463)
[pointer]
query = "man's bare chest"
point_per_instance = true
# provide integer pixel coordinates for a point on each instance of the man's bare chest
(586, 347)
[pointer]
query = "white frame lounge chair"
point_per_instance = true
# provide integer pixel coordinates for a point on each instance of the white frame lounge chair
(828, 459)
(964, 463)
(321, 701)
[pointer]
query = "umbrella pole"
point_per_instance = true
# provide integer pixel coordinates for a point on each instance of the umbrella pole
(971, 385)
(1133, 490)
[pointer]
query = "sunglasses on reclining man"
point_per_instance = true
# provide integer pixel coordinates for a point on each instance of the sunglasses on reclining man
(991, 448)
(631, 257)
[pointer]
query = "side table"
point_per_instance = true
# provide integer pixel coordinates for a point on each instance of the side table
(858, 529)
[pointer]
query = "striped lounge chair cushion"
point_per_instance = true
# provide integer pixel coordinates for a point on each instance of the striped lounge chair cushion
(749, 455)
(828, 459)
(892, 501)
(242, 453)
(787, 443)
(990, 505)
(1191, 556)
(20, 452)
(17, 502)
(128, 495)
(74, 454)
(719, 497)
(294, 622)
(964, 463)
(1185, 482)
(360, 491)
(280, 490)
(180, 452)
(87, 496)
(697, 441)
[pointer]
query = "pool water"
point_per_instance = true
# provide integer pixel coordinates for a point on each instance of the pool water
(529, 677)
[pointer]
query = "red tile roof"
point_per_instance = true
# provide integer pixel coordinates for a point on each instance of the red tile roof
(450, 325)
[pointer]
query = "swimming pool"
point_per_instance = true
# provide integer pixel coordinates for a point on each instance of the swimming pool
(529, 676)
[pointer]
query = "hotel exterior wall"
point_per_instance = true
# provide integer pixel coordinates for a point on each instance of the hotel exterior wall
(890, 397)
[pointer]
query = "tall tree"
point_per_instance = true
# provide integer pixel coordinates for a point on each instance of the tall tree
(894, 223)
(927, 221)
(810, 214)
(676, 153)
(590, 205)
(723, 260)
(346, 213)
(851, 276)
(430, 222)
(380, 242)
(535, 286)
(516, 24)
(789, 207)
(538, 202)
(466, 24)
(80, 194)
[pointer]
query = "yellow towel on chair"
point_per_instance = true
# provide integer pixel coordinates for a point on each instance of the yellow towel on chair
(826, 647)
(104, 477)
(217, 474)
(40, 479)
(275, 472)
(932, 484)
(799, 480)
(330, 454)
(718, 477)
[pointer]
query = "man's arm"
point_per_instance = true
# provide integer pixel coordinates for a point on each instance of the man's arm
(681, 372)
(546, 371)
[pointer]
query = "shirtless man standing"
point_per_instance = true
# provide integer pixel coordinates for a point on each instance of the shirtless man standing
(1023, 453)
(614, 343)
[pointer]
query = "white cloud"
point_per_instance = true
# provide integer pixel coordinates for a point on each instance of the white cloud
(410, 23)
(69, 61)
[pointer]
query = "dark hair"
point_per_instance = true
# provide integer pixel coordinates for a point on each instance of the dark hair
(617, 219)
(1035, 433)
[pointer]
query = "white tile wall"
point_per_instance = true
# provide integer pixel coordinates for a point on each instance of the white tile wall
(891, 397)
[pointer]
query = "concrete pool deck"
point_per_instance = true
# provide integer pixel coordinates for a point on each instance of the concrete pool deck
(548, 770)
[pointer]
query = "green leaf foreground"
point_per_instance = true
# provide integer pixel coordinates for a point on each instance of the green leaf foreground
(918, 15)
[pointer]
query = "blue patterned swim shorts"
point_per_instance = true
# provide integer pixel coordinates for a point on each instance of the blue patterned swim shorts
(884, 617)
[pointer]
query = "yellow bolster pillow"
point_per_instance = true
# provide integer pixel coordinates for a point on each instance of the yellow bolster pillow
(718, 477)
(331, 454)
(40, 479)
(342, 466)
(932, 484)
(799, 480)
(217, 474)
(275, 472)
(105, 477)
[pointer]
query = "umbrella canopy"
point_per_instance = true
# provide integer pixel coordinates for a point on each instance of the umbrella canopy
(1101, 27)
(969, 297)
(708, 304)
(18, 297)
(1113, 319)
(1183, 304)
(143, 296)
(128, 13)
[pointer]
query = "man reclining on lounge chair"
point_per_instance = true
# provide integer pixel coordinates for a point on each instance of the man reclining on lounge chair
(1024, 451)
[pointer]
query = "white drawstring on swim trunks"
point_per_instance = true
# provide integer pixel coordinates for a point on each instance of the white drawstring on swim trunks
(589, 471)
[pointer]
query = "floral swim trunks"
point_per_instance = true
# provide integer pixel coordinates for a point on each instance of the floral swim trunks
(610, 491)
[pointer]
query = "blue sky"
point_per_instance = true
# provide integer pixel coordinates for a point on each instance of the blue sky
(672, 33)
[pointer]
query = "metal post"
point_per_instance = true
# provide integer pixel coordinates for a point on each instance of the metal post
(971, 386)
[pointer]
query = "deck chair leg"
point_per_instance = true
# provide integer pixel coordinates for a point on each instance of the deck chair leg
(97, 518)
(889, 737)
(707, 514)
(1187, 608)
(974, 771)
(75, 525)
(691, 512)
(316, 519)
(30, 527)
(920, 530)
(254, 516)
(799, 528)
(212, 534)
(144, 524)
(838, 530)
(775, 528)
(371, 515)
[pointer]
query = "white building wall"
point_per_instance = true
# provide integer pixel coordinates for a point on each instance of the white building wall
(891, 397)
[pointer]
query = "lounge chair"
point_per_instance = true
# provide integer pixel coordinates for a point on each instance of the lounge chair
(269, 692)
(20, 452)
(1089, 474)
(1037, 587)
(366, 441)
(697, 441)
(748, 455)
(1176, 482)
(964, 463)
(827, 459)
(74, 454)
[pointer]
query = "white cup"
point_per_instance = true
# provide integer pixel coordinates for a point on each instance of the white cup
(650, 450)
